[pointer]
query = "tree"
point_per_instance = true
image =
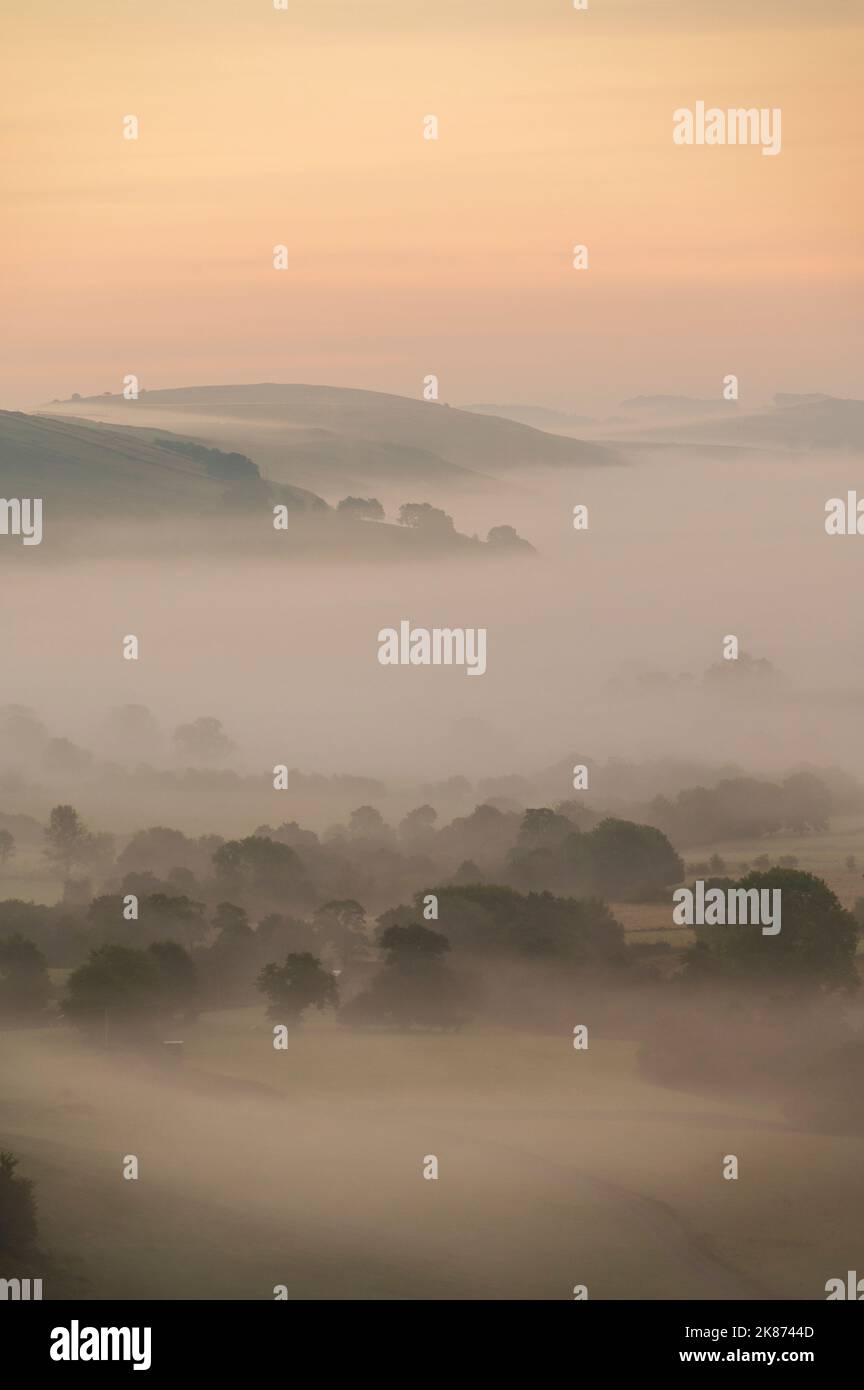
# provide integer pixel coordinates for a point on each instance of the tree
(813, 952)
(17, 1208)
(229, 964)
(203, 741)
(421, 516)
(116, 990)
(418, 824)
(261, 868)
(57, 932)
(367, 823)
(486, 835)
(340, 926)
(415, 988)
(161, 916)
(168, 917)
(506, 538)
(493, 921)
(543, 828)
(179, 979)
(366, 508)
(409, 946)
(232, 468)
(25, 986)
(299, 984)
(68, 839)
(159, 848)
(7, 846)
(623, 859)
(231, 918)
(119, 991)
(278, 935)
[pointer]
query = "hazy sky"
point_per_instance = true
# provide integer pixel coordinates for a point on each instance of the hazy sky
(409, 256)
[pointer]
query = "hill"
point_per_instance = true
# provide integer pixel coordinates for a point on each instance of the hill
(807, 423)
(89, 473)
(340, 440)
(80, 468)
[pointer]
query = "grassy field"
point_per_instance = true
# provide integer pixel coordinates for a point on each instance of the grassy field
(823, 854)
(304, 1167)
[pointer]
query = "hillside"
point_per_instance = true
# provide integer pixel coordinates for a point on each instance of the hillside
(81, 468)
(338, 440)
(808, 423)
(88, 473)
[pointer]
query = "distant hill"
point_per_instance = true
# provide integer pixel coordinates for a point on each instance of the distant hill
(336, 439)
(678, 405)
(539, 417)
(803, 422)
(807, 421)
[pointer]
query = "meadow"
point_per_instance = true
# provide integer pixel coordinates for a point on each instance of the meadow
(557, 1167)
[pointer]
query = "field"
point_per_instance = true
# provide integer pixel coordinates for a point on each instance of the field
(824, 854)
(556, 1168)
(303, 1167)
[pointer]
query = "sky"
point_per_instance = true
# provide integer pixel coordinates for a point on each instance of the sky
(408, 257)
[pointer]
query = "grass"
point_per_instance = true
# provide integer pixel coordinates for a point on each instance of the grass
(304, 1167)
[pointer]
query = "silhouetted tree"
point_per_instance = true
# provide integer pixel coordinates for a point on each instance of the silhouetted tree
(367, 823)
(340, 928)
(17, 1208)
(424, 517)
(506, 538)
(300, 983)
(124, 993)
(67, 838)
(25, 986)
(414, 989)
(203, 741)
(418, 824)
(261, 868)
(623, 859)
(178, 993)
(814, 950)
(367, 508)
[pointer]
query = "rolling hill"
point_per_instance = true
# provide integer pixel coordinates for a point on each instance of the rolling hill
(337, 440)
(90, 474)
(807, 423)
(79, 468)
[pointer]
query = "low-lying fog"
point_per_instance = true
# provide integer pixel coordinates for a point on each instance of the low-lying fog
(681, 551)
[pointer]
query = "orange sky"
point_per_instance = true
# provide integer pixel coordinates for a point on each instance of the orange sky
(408, 256)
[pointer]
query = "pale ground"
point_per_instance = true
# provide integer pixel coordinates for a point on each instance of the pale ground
(304, 1167)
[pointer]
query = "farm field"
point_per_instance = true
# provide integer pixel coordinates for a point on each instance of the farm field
(556, 1168)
